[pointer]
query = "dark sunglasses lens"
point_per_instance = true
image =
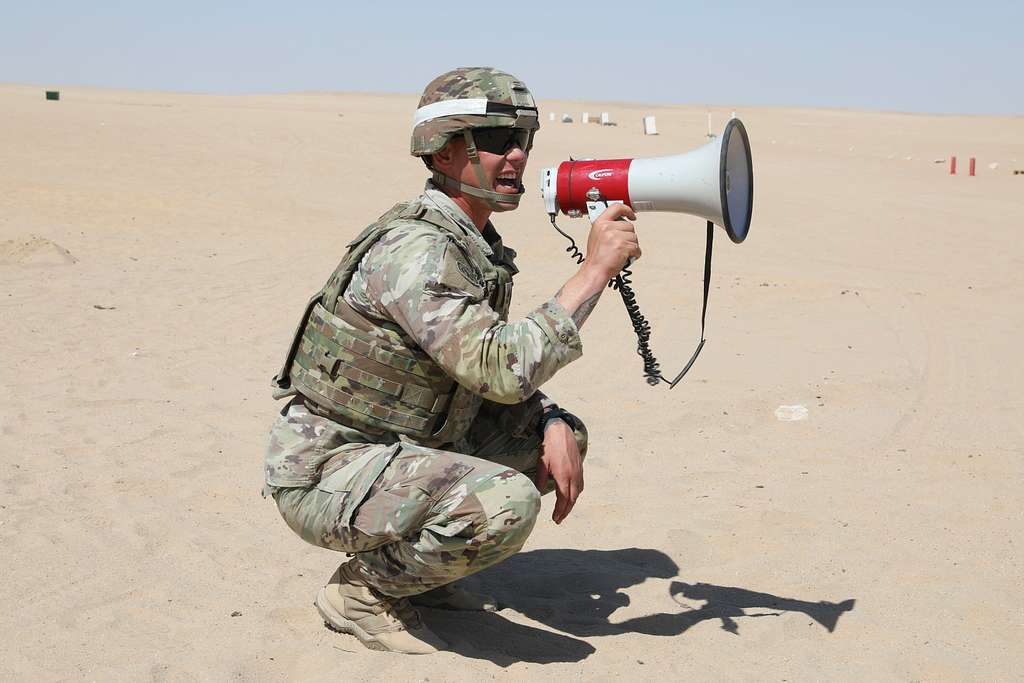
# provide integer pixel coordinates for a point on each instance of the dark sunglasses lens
(524, 139)
(500, 140)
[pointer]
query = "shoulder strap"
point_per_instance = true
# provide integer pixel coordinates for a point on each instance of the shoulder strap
(357, 248)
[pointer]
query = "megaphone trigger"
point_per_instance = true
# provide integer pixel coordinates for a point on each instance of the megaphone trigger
(595, 209)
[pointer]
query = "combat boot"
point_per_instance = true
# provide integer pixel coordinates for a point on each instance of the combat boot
(450, 596)
(380, 622)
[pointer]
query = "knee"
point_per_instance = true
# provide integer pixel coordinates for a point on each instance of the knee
(511, 506)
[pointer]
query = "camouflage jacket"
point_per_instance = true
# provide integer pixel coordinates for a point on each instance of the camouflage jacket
(405, 280)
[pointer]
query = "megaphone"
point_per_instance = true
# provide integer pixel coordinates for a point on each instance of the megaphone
(715, 181)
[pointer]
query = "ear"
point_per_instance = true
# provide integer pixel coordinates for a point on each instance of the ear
(445, 159)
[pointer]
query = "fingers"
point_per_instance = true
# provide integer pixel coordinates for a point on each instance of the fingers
(612, 242)
(616, 212)
(563, 463)
(562, 503)
(632, 252)
(565, 498)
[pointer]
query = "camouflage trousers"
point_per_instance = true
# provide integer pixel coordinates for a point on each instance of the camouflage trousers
(415, 517)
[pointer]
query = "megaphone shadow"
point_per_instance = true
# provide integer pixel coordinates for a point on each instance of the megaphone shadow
(577, 591)
(726, 602)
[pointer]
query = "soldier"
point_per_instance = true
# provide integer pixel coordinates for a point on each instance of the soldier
(415, 438)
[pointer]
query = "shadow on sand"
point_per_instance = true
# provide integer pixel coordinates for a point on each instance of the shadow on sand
(576, 592)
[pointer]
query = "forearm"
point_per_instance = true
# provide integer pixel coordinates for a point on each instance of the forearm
(579, 295)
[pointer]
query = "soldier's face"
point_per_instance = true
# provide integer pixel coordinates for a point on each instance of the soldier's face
(504, 172)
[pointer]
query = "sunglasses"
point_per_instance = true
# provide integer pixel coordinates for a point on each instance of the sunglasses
(502, 140)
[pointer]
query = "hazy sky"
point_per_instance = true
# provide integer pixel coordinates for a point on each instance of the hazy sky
(936, 56)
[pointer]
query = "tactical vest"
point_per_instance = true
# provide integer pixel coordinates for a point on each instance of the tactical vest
(363, 373)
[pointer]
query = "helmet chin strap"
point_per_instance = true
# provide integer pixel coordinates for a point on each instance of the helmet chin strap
(491, 198)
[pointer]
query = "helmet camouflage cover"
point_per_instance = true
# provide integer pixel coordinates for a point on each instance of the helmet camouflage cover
(468, 98)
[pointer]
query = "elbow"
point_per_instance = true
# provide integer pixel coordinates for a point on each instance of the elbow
(509, 391)
(504, 395)
(509, 373)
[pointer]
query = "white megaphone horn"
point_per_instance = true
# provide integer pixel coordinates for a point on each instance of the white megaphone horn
(715, 181)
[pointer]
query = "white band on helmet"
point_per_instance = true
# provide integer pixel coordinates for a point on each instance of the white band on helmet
(477, 106)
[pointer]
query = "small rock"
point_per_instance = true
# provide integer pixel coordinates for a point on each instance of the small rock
(236, 613)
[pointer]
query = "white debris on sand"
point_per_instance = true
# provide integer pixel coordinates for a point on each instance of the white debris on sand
(791, 413)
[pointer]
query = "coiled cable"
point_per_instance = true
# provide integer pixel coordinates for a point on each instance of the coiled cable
(641, 327)
(572, 249)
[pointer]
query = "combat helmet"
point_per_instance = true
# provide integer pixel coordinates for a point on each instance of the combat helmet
(461, 100)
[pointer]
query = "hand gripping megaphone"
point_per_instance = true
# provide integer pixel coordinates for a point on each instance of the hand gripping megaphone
(715, 182)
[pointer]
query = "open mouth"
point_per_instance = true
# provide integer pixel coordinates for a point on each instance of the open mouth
(507, 182)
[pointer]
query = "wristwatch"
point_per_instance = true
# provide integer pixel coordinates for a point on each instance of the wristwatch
(556, 413)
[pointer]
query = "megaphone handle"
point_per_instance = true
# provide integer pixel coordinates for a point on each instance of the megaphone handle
(596, 208)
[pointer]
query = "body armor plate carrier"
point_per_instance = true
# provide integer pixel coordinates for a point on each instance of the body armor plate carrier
(363, 373)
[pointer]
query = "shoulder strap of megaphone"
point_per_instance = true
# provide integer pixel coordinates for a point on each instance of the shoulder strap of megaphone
(704, 306)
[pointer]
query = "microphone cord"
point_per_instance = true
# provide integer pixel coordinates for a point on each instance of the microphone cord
(641, 327)
(572, 249)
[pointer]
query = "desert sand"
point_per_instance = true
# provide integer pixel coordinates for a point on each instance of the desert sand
(155, 253)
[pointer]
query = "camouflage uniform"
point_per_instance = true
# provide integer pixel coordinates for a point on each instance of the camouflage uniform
(418, 511)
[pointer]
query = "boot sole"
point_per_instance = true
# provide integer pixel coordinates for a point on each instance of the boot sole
(338, 623)
(335, 621)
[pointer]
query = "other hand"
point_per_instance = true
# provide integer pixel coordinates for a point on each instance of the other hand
(561, 460)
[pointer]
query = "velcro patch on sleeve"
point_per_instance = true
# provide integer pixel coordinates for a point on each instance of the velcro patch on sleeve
(456, 276)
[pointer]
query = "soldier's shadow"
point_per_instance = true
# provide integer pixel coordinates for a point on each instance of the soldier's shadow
(576, 592)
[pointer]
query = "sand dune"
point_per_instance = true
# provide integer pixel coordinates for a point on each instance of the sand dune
(155, 253)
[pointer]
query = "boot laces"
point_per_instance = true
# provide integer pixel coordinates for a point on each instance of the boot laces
(398, 610)
(403, 610)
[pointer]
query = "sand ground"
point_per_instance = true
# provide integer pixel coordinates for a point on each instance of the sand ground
(156, 250)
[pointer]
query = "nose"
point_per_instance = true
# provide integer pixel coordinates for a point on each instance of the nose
(516, 155)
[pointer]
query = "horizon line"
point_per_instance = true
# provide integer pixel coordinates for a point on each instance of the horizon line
(706, 105)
